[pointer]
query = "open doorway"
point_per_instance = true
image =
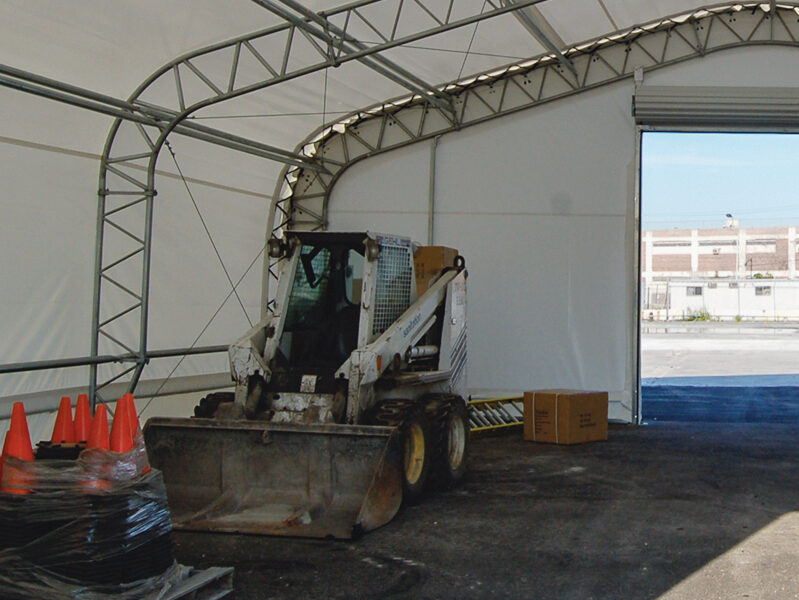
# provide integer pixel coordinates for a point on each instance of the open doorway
(719, 277)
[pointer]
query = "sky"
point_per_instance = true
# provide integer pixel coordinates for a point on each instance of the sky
(694, 179)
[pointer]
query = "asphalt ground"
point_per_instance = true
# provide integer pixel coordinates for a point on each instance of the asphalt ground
(683, 508)
(670, 511)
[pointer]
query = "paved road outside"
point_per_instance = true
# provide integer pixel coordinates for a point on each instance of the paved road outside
(720, 372)
(737, 352)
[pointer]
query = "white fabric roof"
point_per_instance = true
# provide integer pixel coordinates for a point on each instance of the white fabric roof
(114, 48)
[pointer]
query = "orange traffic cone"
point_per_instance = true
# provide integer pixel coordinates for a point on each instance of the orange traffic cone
(19, 422)
(142, 464)
(121, 434)
(98, 435)
(16, 480)
(83, 419)
(17, 445)
(98, 470)
(133, 417)
(64, 430)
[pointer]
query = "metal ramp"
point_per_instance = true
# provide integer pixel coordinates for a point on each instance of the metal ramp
(488, 414)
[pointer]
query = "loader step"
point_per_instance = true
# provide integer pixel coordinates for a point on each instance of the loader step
(488, 414)
(207, 584)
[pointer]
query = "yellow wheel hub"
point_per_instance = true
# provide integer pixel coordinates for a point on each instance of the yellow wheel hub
(414, 453)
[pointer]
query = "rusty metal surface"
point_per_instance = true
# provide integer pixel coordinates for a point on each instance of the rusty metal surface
(278, 479)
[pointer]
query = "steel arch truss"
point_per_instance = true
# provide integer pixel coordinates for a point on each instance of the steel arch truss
(214, 74)
(303, 196)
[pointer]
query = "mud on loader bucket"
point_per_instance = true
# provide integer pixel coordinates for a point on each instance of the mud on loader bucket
(277, 479)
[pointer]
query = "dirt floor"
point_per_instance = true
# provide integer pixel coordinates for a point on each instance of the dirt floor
(671, 511)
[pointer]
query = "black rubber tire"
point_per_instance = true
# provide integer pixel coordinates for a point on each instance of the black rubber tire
(449, 463)
(206, 409)
(417, 454)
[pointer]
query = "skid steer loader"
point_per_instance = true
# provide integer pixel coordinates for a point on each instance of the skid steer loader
(348, 398)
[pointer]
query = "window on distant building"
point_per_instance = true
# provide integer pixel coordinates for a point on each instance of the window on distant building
(761, 245)
(763, 290)
(733, 284)
(694, 290)
(670, 244)
(715, 242)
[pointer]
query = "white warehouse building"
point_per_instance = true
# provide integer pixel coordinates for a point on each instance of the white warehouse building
(723, 252)
(730, 273)
(724, 300)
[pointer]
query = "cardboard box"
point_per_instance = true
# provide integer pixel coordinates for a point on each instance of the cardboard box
(429, 261)
(565, 416)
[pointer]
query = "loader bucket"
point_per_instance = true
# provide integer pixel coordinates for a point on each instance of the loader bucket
(275, 478)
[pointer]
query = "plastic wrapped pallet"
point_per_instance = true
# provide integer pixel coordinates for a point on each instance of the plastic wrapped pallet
(93, 528)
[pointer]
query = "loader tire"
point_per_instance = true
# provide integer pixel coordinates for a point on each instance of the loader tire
(208, 406)
(417, 454)
(452, 447)
(416, 436)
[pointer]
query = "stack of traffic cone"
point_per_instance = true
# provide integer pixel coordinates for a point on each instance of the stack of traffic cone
(64, 430)
(98, 435)
(17, 445)
(138, 439)
(121, 430)
(133, 417)
(83, 419)
(126, 434)
(63, 443)
(96, 459)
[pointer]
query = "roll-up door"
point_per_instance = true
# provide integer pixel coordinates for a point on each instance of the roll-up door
(716, 106)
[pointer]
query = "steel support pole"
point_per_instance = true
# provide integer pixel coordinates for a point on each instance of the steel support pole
(431, 206)
(62, 363)
(145, 278)
(98, 264)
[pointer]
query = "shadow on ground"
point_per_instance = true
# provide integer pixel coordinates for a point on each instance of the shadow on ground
(753, 399)
(627, 518)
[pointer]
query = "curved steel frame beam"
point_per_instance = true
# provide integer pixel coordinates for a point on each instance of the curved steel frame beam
(301, 198)
(126, 196)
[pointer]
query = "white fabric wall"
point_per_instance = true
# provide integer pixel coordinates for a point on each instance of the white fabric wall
(543, 227)
(49, 164)
(47, 236)
(542, 205)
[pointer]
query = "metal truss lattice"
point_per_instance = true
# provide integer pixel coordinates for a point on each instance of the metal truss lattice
(303, 196)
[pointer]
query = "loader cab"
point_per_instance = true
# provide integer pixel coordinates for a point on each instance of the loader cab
(321, 328)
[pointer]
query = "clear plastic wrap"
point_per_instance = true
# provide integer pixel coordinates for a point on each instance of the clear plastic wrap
(92, 528)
